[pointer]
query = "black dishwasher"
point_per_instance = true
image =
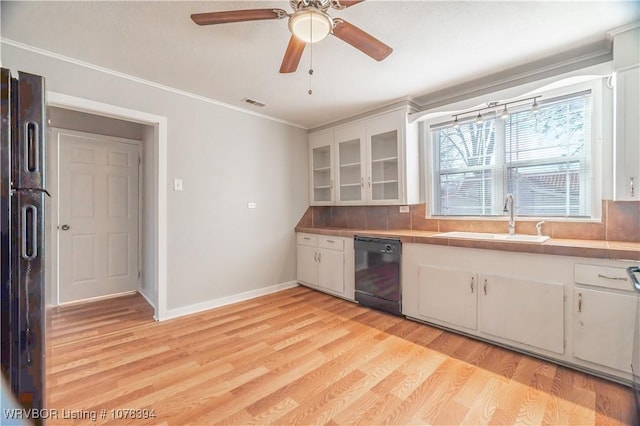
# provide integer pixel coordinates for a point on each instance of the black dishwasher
(377, 266)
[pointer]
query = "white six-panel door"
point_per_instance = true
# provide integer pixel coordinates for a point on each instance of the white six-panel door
(98, 216)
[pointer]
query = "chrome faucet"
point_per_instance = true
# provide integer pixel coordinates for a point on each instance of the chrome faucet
(508, 208)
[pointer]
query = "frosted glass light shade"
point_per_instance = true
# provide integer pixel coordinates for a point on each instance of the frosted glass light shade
(310, 25)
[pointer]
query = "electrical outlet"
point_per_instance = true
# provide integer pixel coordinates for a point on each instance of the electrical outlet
(404, 209)
(177, 184)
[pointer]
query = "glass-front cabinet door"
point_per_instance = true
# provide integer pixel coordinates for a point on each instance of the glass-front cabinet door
(383, 138)
(350, 165)
(321, 162)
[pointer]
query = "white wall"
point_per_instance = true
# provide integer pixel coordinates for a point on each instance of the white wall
(216, 246)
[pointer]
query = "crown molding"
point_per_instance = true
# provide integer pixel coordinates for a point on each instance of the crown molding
(94, 67)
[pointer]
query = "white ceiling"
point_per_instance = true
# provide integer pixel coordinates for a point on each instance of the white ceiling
(437, 45)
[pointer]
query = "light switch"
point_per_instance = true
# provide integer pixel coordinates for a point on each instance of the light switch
(177, 184)
(251, 205)
(404, 209)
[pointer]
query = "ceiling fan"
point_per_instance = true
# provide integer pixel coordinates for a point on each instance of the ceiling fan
(309, 23)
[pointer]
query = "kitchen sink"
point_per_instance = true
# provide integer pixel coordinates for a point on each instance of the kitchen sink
(516, 238)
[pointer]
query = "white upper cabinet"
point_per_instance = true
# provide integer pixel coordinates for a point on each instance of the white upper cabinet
(627, 110)
(350, 167)
(321, 161)
(375, 161)
(384, 160)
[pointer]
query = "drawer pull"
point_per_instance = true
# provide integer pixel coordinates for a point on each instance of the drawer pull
(331, 241)
(307, 238)
(606, 277)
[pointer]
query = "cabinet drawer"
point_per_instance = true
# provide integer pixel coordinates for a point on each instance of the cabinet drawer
(333, 243)
(602, 276)
(308, 239)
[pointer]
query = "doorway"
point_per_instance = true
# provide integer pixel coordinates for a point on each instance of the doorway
(152, 256)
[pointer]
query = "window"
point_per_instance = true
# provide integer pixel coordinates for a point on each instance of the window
(543, 159)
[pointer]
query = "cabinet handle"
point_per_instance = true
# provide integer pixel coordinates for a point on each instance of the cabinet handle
(472, 281)
(362, 182)
(606, 277)
(485, 286)
(369, 181)
(331, 241)
(331, 184)
(319, 257)
(315, 257)
(632, 188)
(307, 238)
(579, 302)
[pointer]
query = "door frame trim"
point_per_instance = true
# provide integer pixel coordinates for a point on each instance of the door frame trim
(159, 123)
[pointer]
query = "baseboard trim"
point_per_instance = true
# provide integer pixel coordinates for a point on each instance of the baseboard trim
(147, 298)
(227, 300)
(96, 299)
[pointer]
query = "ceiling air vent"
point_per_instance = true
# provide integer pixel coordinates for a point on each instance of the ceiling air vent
(254, 102)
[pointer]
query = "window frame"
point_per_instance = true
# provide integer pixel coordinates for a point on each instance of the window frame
(592, 161)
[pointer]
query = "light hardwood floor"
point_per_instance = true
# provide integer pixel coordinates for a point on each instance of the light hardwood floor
(302, 357)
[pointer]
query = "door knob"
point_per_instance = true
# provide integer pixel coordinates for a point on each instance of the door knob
(65, 227)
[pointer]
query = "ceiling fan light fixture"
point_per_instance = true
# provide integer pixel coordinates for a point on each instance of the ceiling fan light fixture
(310, 25)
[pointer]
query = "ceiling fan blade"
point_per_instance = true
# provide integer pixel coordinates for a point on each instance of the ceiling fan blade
(349, 3)
(292, 55)
(362, 41)
(237, 16)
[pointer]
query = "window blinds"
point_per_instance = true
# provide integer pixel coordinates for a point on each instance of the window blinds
(543, 159)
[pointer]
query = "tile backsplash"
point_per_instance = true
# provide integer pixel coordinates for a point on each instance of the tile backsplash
(620, 221)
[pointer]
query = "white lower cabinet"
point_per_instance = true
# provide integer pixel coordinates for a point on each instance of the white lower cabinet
(528, 312)
(575, 310)
(603, 316)
(448, 295)
(307, 264)
(601, 322)
(326, 263)
(331, 270)
(522, 311)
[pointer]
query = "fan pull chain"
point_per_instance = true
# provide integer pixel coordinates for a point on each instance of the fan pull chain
(310, 68)
(310, 92)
